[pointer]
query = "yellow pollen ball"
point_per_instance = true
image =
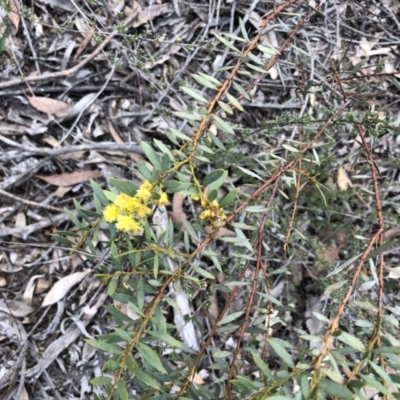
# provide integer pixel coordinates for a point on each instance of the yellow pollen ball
(163, 200)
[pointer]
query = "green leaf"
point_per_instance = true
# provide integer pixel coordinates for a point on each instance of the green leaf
(122, 391)
(108, 347)
(89, 213)
(300, 50)
(3, 43)
(216, 141)
(223, 125)
(123, 186)
(243, 30)
(268, 50)
(250, 173)
(219, 182)
(204, 82)
(164, 149)
(189, 229)
(225, 107)
(212, 195)
(213, 176)
(229, 198)
(383, 374)
(226, 43)
(123, 334)
(110, 195)
(281, 352)
(234, 37)
(335, 286)
(351, 340)
(372, 381)
(73, 218)
(165, 337)
(255, 68)
(194, 94)
(150, 356)
(142, 167)
(112, 286)
(255, 59)
(179, 134)
(230, 318)
(172, 303)
(140, 294)
(155, 265)
(172, 185)
(151, 155)
(344, 265)
(98, 191)
(244, 384)
(210, 78)
(262, 366)
(335, 389)
(62, 239)
(359, 65)
(203, 272)
(290, 148)
(145, 378)
(255, 209)
(233, 101)
(241, 90)
(222, 354)
(187, 116)
(101, 381)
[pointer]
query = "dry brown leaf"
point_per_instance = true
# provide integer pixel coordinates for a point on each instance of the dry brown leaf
(14, 14)
(391, 233)
(141, 17)
(122, 307)
(62, 191)
(75, 155)
(213, 129)
(366, 45)
(30, 289)
(177, 214)
(222, 232)
(343, 181)
(165, 57)
(114, 133)
(16, 308)
(213, 310)
(62, 287)
(20, 222)
(73, 110)
(71, 179)
(197, 379)
(116, 6)
(52, 141)
(42, 285)
(356, 145)
(24, 394)
(47, 105)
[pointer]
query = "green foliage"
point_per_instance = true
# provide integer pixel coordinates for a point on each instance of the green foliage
(156, 266)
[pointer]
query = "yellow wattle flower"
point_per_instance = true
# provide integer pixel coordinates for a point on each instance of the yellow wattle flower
(142, 210)
(163, 200)
(110, 213)
(126, 223)
(125, 203)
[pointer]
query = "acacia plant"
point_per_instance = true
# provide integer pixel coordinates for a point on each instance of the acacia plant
(160, 274)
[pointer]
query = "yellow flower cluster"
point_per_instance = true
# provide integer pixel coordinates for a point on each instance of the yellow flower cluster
(213, 214)
(127, 211)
